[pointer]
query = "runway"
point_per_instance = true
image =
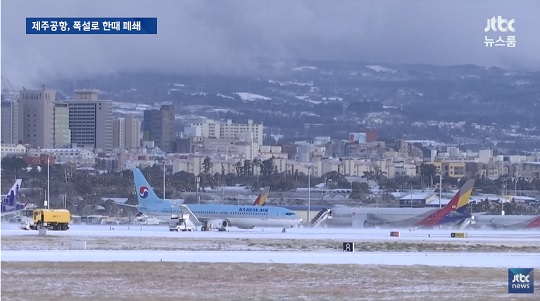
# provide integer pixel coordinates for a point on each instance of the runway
(144, 262)
(493, 260)
(531, 236)
(298, 245)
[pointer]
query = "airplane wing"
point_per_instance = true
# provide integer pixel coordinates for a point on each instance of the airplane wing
(124, 204)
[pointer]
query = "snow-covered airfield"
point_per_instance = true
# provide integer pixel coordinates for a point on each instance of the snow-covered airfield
(21, 245)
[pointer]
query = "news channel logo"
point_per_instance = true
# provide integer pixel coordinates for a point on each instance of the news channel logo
(498, 25)
(521, 281)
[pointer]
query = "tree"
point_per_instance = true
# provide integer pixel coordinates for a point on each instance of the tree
(359, 190)
(427, 171)
(239, 169)
(248, 171)
(267, 168)
(13, 163)
(207, 165)
(256, 163)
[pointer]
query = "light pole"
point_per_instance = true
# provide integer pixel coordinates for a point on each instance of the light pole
(197, 179)
(164, 179)
(309, 195)
(440, 189)
(48, 183)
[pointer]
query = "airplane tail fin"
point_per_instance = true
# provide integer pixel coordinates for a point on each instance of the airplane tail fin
(461, 198)
(146, 196)
(263, 196)
(13, 193)
(9, 202)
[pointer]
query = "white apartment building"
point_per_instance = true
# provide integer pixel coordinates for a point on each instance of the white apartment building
(78, 156)
(12, 150)
(119, 133)
(212, 129)
(127, 132)
(132, 132)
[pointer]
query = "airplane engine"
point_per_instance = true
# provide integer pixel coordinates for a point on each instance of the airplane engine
(220, 224)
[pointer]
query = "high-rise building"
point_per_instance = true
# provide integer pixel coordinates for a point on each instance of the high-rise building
(12, 122)
(127, 132)
(62, 133)
(158, 126)
(133, 132)
(91, 120)
(119, 133)
(38, 116)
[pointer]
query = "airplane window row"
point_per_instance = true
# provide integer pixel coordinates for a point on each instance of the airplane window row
(243, 213)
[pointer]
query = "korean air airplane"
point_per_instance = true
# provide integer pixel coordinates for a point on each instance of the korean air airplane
(9, 201)
(454, 211)
(218, 217)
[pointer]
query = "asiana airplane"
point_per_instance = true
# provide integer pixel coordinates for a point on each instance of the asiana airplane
(212, 216)
(361, 217)
(506, 221)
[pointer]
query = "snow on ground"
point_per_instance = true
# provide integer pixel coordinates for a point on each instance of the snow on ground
(495, 260)
(224, 96)
(333, 98)
(290, 83)
(292, 233)
(246, 96)
(247, 281)
(381, 69)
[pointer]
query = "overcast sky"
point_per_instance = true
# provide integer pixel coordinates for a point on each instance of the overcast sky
(225, 37)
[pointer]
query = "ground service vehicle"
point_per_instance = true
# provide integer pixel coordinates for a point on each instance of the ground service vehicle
(180, 224)
(51, 219)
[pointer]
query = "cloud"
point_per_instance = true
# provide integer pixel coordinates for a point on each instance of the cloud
(227, 37)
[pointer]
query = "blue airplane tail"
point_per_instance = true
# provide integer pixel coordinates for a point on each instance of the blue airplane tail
(147, 198)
